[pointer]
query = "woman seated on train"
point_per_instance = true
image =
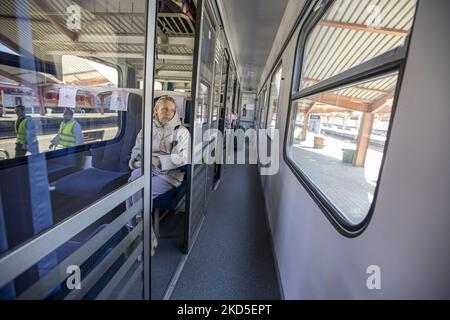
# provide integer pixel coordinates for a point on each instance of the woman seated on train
(169, 152)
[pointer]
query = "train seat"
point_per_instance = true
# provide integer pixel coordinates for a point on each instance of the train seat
(7, 292)
(170, 200)
(109, 162)
(24, 216)
(91, 183)
(187, 112)
(21, 219)
(67, 162)
(183, 104)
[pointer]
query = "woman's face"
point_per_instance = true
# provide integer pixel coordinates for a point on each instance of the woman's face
(165, 111)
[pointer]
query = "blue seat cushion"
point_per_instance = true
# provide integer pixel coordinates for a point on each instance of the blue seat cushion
(91, 183)
(170, 199)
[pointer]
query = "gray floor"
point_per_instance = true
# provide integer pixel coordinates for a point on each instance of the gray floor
(232, 258)
(168, 254)
(347, 186)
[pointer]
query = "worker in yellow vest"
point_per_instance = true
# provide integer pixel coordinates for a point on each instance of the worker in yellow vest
(69, 134)
(25, 129)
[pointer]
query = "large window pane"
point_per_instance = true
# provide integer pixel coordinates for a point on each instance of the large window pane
(206, 74)
(352, 32)
(87, 90)
(230, 96)
(203, 98)
(218, 61)
(263, 109)
(75, 67)
(337, 141)
(274, 100)
(247, 110)
(208, 49)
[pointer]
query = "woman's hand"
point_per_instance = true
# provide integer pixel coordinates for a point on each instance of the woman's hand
(156, 162)
(137, 164)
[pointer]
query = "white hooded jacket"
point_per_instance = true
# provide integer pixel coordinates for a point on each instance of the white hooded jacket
(171, 145)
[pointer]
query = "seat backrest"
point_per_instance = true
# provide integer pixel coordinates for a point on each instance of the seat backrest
(187, 111)
(170, 199)
(183, 105)
(115, 155)
(184, 169)
(7, 292)
(69, 157)
(26, 208)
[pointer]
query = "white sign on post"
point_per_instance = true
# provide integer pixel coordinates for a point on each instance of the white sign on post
(119, 100)
(10, 99)
(68, 96)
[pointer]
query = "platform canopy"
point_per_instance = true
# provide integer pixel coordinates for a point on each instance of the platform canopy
(110, 32)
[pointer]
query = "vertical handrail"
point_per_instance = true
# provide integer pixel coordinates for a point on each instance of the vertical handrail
(147, 134)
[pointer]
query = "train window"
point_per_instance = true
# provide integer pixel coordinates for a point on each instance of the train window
(218, 88)
(247, 109)
(258, 98)
(202, 114)
(63, 88)
(339, 129)
(80, 99)
(230, 96)
(207, 49)
(263, 109)
(215, 113)
(258, 116)
(338, 141)
(367, 28)
(274, 100)
(206, 72)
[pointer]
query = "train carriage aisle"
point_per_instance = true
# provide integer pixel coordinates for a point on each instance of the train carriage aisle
(224, 150)
(232, 256)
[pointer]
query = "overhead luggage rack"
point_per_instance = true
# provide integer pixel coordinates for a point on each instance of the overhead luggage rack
(175, 24)
(175, 48)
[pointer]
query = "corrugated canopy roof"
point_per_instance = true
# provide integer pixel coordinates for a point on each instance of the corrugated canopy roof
(109, 31)
(350, 33)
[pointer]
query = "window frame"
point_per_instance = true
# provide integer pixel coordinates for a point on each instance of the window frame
(279, 67)
(260, 108)
(256, 115)
(391, 61)
(206, 118)
(216, 108)
(263, 114)
(35, 64)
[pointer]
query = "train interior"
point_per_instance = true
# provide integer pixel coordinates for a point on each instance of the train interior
(330, 84)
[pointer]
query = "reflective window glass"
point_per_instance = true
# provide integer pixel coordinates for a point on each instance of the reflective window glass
(352, 32)
(337, 141)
